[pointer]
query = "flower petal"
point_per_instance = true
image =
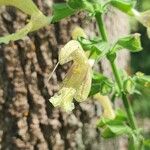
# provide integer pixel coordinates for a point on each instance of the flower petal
(64, 99)
(107, 106)
(27, 6)
(85, 87)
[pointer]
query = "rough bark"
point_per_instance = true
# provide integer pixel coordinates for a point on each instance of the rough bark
(27, 120)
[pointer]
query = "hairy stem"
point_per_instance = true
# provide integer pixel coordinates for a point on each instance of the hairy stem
(101, 26)
(126, 103)
(118, 79)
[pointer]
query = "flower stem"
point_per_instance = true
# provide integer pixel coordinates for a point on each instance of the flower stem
(123, 96)
(126, 103)
(101, 26)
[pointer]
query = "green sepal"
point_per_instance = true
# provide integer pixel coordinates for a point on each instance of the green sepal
(131, 42)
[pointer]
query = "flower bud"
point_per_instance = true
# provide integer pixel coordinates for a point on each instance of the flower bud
(129, 86)
(107, 106)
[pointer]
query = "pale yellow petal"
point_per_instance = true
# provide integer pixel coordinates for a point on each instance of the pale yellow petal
(107, 106)
(85, 87)
(78, 32)
(64, 99)
(26, 6)
(72, 51)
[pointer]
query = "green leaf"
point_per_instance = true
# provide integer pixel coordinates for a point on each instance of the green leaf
(81, 4)
(115, 130)
(120, 115)
(111, 128)
(123, 5)
(75, 4)
(131, 42)
(101, 84)
(61, 10)
(120, 119)
(96, 47)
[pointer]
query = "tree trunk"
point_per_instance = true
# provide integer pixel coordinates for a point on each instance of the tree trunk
(27, 119)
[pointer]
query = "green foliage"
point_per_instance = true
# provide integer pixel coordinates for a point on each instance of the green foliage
(131, 42)
(97, 48)
(102, 84)
(116, 127)
(81, 4)
(123, 5)
(59, 13)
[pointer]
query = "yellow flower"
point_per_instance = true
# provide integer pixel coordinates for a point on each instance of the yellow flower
(77, 83)
(37, 21)
(64, 99)
(78, 32)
